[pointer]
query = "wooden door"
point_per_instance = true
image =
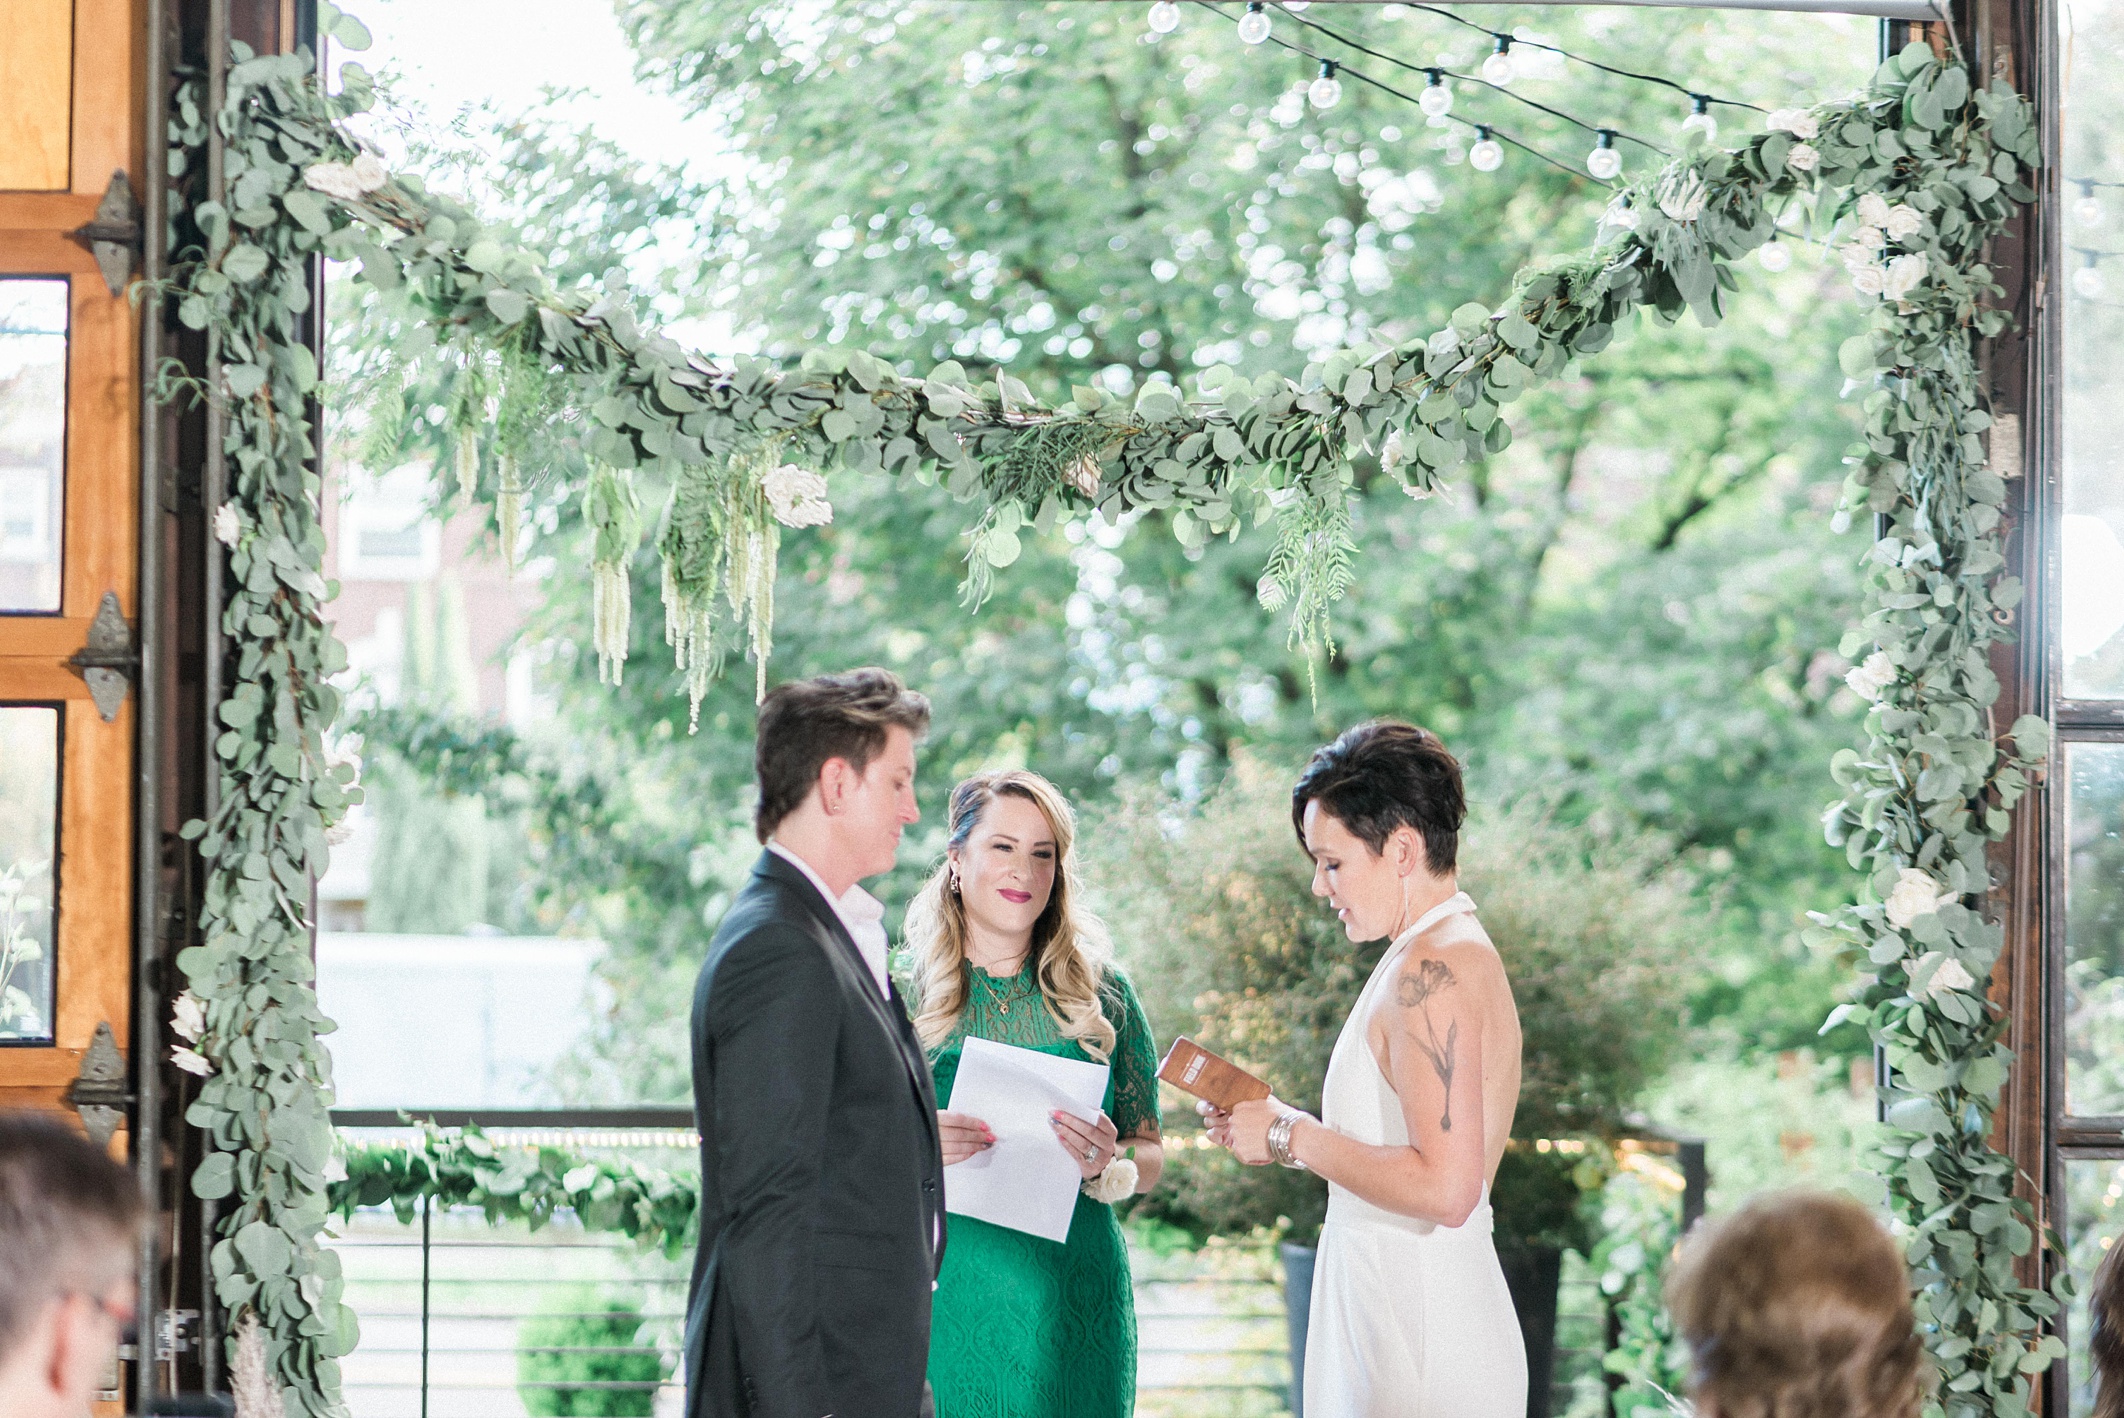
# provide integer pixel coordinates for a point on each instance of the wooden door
(69, 519)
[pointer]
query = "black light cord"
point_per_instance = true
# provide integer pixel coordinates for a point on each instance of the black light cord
(1485, 129)
(1578, 58)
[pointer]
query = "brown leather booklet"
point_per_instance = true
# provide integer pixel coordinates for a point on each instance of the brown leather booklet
(1193, 1069)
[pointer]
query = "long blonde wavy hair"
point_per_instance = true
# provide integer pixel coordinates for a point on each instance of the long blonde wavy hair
(1070, 948)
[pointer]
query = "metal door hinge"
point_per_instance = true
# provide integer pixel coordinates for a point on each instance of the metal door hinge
(98, 1092)
(113, 236)
(108, 661)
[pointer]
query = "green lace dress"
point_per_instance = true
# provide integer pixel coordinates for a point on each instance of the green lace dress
(1022, 1327)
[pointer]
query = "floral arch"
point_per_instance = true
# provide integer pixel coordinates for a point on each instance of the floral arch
(1926, 169)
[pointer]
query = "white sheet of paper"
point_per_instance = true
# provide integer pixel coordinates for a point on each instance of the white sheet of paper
(1026, 1181)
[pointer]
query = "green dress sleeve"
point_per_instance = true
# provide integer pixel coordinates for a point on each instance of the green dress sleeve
(1135, 1060)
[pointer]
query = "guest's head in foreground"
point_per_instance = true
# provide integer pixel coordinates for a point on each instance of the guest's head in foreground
(2105, 1333)
(1379, 812)
(70, 1228)
(1798, 1306)
(835, 759)
(1008, 895)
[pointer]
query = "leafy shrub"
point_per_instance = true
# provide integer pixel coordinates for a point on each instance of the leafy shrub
(580, 1338)
(1212, 911)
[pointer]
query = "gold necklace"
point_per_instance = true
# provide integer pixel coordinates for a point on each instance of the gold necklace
(996, 988)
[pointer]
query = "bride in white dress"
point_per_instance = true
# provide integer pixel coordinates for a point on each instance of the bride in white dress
(1411, 1317)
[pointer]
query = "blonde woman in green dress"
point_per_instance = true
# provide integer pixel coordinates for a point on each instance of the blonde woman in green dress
(1004, 950)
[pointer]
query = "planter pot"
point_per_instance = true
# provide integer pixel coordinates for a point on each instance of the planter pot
(1297, 1307)
(1533, 1275)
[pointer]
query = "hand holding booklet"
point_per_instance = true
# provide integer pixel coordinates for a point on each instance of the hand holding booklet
(1211, 1077)
(1026, 1181)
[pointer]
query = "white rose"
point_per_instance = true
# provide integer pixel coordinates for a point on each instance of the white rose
(1083, 475)
(1621, 216)
(1856, 258)
(369, 172)
(1392, 453)
(334, 179)
(188, 1017)
(191, 1061)
(1950, 974)
(1873, 209)
(1917, 893)
(1869, 280)
(1682, 198)
(1872, 675)
(228, 524)
(1804, 126)
(1869, 238)
(1904, 221)
(1803, 158)
(1905, 274)
(1781, 120)
(797, 497)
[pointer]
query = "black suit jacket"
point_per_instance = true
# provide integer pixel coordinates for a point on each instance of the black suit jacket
(822, 1190)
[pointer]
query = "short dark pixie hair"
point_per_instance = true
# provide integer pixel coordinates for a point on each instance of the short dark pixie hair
(70, 1220)
(809, 721)
(1382, 776)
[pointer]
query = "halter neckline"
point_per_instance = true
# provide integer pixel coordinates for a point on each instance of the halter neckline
(1458, 903)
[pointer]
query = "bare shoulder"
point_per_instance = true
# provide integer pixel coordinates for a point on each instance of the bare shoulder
(1455, 961)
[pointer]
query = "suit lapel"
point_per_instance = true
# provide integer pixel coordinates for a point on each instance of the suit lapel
(889, 1012)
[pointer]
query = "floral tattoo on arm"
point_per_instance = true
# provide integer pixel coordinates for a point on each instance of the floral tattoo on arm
(1414, 991)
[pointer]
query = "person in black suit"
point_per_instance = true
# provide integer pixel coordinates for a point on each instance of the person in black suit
(822, 1191)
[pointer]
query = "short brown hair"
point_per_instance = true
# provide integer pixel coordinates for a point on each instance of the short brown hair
(809, 721)
(70, 1219)
(1382, 776)
(1798, 1306)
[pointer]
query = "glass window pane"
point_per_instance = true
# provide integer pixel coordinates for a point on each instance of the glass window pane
(29, 842)
(32, 441)
(2094, 929)
(2091, 33)
(2094, 1200)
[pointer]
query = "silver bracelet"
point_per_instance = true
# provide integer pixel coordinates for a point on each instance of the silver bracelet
(1279, 1141)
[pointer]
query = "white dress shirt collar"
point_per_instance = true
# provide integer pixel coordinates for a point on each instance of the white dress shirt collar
(862, 915)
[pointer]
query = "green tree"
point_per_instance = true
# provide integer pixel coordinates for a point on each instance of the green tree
(1629, 608)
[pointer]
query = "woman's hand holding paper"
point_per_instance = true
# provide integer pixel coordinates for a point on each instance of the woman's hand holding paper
(1092, 1144)
(962, 1136)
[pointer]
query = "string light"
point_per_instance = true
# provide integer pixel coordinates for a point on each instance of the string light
(1164, 17)
(1435, 72)
(1488, 154)
(1773, 256)
(1498, 136)
(2087, 282)
(1325, 91)
(1498, 67)
(1700, 119)
(1437, 96)
(1604, 162)
(1254, 24)
(2088, 210)
(1582, 59)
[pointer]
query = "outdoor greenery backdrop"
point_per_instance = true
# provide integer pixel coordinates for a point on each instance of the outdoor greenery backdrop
(1631, 615)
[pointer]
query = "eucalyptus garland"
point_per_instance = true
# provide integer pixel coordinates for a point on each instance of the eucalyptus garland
(1919, 171)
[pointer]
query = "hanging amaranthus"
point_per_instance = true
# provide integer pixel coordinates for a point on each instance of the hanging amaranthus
(721, 534)
(509, 508)
(614, 515)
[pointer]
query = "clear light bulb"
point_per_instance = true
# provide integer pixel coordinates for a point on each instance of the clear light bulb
(1487, 155)
(1700, 120)
(1498, 67)
(1773, 256)
(1164, 17)
(2088, 210)
(1325, 91)
(2088, 284)
(1604, 162)
(1254, 25)
(1437, 97)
